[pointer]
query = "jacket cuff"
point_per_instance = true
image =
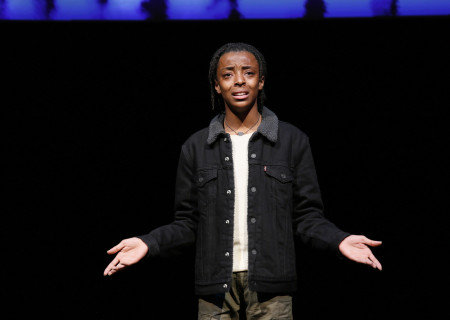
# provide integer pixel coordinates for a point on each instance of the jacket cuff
(150, 241)
(340, 236)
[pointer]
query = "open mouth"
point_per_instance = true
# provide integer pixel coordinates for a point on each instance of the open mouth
(240, 95)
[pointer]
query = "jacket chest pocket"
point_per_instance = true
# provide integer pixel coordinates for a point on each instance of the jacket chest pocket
(280, 180)
(206, 181)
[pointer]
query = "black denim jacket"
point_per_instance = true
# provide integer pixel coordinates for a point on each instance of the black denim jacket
(283, 200)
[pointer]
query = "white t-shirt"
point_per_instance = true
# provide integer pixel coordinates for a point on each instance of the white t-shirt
(240, 236)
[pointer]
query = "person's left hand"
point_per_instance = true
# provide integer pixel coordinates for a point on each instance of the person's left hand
(356, 248)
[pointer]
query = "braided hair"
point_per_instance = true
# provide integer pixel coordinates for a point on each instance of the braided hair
(216, 99)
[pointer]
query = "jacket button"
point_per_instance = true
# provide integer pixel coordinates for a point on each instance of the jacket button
(253, 155)
(283, 176)
(200, 179)
(253, 220)
(253, 251)
(225, 139)
(227, 254)
(225, 286)
(253, 189)
(228, 191)
(227, 159)
(227, 221)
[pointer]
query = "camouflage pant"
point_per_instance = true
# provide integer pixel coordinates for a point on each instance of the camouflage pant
(241, 303)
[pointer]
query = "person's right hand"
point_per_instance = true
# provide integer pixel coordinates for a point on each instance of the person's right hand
(129, 251)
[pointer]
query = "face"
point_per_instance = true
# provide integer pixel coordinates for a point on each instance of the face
(238, 80)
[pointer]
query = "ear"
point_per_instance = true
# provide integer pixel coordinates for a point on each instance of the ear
(217, 87)
(261, 83)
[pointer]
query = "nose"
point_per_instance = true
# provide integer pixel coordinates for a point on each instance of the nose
(240, 80)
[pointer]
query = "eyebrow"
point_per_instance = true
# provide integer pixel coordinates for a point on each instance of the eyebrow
(243, 67)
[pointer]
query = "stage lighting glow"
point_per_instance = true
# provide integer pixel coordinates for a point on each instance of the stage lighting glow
(215, 9)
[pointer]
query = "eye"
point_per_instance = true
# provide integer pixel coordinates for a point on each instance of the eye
(227, 75)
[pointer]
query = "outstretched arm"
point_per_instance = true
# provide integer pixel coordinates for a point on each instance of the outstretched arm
(129, 251)
(356, 248)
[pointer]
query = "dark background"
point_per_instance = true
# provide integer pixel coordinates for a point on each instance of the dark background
(95, 114)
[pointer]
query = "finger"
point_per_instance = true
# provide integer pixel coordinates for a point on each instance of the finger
(108, 271)
(376, 263)
(115, 269)
(372, 243)
(111, 266)
(111, 272)
(116, 248)
(370, 263)
(120, 266)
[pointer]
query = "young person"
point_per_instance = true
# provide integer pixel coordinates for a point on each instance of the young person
(246, 185)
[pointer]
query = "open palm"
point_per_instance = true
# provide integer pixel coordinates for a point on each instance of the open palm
(355, 248)
(129, 252)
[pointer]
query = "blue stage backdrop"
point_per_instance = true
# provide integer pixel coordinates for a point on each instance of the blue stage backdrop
(215, 9)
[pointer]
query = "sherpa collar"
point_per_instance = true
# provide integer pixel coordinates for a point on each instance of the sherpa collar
(268, 127)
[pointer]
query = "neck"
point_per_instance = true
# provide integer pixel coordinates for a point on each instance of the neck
(241, 121)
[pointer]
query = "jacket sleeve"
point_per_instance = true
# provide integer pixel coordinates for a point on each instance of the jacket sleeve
(309, 221)
(169, 239)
